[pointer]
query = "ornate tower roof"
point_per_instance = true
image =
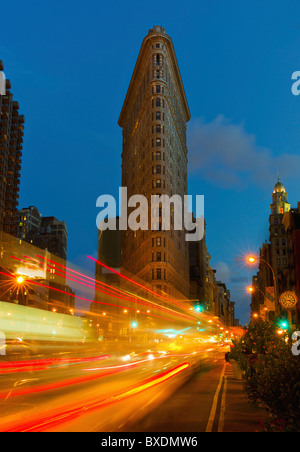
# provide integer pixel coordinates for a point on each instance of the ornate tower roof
(279, 188)
(280, 203)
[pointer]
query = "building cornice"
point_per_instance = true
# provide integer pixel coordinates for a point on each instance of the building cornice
(152, 36)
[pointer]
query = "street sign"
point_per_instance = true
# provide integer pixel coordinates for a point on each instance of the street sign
(288, 300)
(270, 293)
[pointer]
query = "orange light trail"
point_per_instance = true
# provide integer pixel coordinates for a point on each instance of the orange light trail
(134, 298)
(43, 364)
(56, 419)
(110, 292)
(100, 302)
(136, 283)
(62, 384)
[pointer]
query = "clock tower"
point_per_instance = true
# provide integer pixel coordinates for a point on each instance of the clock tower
(278, 236)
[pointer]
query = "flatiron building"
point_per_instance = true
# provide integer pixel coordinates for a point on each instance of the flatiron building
(154, 162)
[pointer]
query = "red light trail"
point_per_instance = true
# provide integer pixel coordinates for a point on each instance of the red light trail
(57, 418)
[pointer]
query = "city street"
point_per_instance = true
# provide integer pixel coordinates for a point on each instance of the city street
(149, 219)
(186, 391)
(212, 401)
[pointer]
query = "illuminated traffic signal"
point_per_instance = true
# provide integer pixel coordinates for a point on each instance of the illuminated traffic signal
(284, 324)
(198, 307)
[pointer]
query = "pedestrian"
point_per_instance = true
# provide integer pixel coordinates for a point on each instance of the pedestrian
(227, 357)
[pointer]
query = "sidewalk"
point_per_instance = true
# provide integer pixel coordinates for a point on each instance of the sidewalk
(239, 415)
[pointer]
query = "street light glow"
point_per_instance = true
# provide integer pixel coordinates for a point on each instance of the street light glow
(252, 259)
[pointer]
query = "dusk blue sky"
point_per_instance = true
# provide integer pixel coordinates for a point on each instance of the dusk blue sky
(70, 65)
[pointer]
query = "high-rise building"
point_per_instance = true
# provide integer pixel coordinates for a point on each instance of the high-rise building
(44, 232)
(273, 257)
(278, 236)
(109, 253)
(291, 275)
(29, 223)
(45, 284)
(224, 306)
(203, 285)
(154, 162)
(53, 236)
(11, 144)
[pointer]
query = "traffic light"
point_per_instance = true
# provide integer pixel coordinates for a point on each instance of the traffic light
(284, 324)
(198, 307)
(134, 325)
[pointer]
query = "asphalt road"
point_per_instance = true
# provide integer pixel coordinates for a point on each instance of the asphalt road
(104, 392)
(189, 409)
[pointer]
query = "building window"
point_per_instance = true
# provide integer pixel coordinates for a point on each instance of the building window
(158, 115)
(158, 142)
(158, 273)
(158, 241)
(158, 102)
(158, 89)
(158, 257)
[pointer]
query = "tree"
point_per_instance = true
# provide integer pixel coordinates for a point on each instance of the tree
(271, 374)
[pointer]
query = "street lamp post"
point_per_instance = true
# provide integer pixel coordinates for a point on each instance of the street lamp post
(252, 289)
(252, 260)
